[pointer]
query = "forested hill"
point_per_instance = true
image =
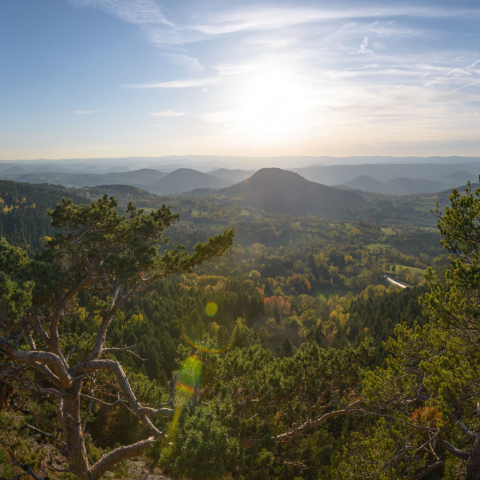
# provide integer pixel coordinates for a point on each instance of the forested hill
(23, 213)
(279, 191)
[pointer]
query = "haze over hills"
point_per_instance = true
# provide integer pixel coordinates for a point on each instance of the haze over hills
(186, 179)
(153, 181)
(388, 178)
(232, 175)
(207, 163)
(340, 174)
(279, 191)
(409, 186)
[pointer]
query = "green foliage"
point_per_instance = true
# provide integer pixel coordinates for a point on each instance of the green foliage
(6, 470)
(23, 213)
(385, 451)
(430, 382)
(297, 315)
(201, 449)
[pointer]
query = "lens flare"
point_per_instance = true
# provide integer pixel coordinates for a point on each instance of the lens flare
(190, 371)
(211, 309)
(188, 379)
(200, 346)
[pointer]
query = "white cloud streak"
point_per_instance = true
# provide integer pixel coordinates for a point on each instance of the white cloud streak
(167, 113)
(155, 27)
(140, 12)
(363, 47)
(277, 18)
(186, 83)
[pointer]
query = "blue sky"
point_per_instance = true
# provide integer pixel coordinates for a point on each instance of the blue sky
(108, 78)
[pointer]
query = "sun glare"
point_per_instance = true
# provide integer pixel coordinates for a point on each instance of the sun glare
(271, 105)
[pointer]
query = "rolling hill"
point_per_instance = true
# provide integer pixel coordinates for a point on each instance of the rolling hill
(279, 191)
(179, 181)
(235, 176)
(185, 180)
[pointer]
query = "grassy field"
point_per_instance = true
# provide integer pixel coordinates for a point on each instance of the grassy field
(324, 292)
(388, 231)
(420, 271)
(371, 246)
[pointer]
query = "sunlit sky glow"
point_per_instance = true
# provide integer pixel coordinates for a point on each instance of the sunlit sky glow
(114, 78)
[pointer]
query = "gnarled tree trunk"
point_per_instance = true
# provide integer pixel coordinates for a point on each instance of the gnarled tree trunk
(473, 463)
(73, 432)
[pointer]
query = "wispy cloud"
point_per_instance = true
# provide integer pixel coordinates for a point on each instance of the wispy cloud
(380, 71)
(145, 12)
(157, 29)
(276, 18)
(186, 83)
(190, 63)
(363, 47)
(83, 112)
(167, 113)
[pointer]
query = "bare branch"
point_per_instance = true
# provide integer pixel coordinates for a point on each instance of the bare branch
(101, 402)
(295, 432)
(462, 425)
(454, 451)
(45, 434)
(115, 367)
(90, 405)
(121, 453)
(40, 329)
(102, 331)
(428, 469)
(34, 357)
(26, 468)
(55, 319)
(115, 295)
(428, 442)
(127, 350)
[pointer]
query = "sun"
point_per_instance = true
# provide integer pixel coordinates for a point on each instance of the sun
(273, 104)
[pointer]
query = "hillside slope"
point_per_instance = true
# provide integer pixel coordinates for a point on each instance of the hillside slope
(23, 213)
(232, 175)
(279, 191)
(185, 180)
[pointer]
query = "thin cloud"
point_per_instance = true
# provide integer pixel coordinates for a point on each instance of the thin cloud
(145, 14)
(277, 18)
(157, 29)
(141, 12)
(363, 47)
(189, 63)
(167, 113)
(187, 83)
(83, 112)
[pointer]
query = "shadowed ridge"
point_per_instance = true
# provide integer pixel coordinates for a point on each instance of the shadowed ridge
(279, 191)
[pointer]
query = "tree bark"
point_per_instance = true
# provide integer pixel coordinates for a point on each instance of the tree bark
(473, 463)
(73, 433)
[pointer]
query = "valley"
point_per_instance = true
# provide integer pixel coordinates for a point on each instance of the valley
(313, 268)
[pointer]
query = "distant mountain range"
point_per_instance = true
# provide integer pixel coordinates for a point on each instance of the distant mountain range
(207, 163)
(340, 174)
(279, 191)
(408, 186)
(153, 181)
(387, 178)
